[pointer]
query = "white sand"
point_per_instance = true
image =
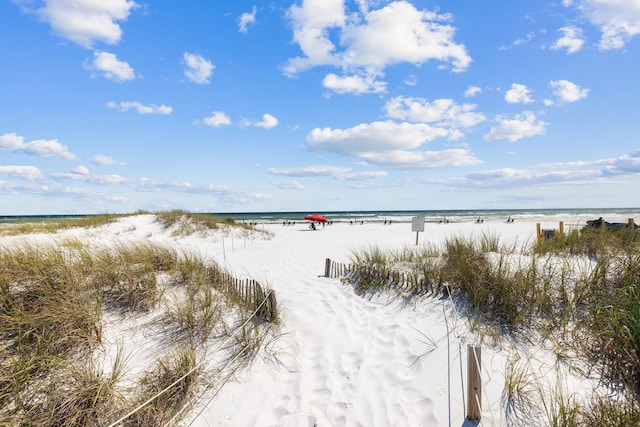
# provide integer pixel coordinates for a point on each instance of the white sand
(344, 360)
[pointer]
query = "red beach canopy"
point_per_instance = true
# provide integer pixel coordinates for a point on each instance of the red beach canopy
(316, 218)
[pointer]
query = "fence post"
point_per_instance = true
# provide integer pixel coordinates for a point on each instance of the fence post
(474, 383)
(272, 305)
(327, 268)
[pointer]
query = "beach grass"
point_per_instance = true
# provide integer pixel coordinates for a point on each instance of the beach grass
(580, 290)
(52, 302)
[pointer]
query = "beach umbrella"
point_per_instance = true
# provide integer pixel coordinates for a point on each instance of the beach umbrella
(316, 218)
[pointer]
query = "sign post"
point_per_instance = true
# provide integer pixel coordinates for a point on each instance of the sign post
(417, 225)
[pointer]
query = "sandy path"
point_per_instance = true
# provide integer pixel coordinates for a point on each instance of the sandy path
(346, 361)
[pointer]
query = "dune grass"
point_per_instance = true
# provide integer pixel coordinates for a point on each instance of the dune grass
(580, 290)
(186, 222)
(52, 299)
(54, 225)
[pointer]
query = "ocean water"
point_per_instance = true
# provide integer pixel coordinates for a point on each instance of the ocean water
(569, 216)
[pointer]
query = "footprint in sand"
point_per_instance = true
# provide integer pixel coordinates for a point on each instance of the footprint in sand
(350, 362)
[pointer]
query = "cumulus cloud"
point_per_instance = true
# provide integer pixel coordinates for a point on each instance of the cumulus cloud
(104, 160)
(369, 40)
(356, 85)
(623, 165)
(246, 19)
(111, 67)
(198, 69)
(568, 91)
(390, 144)
(513, 129)
(373, 137)
(140, 108)
(81, 170)
(518, 94)
(267, 122)
(472, 91)
(618, 20)
(24, 172)
(571, 40)
(38, 147)
(217, 119)
(81, 21)
(440, 112)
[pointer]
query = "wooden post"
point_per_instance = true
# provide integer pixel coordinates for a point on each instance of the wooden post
(327, 268)
(561, 227)
(538, 232)
(272, 305)
(474, 383)
(631, 225)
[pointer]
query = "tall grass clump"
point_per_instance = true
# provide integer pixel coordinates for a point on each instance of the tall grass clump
(591, 241)
(601, 412)
(78, 393)
(371, 269)
(54, 225)
(186, 223)
(126, 276)
(612, 325)
(166, 389)
(493, 287)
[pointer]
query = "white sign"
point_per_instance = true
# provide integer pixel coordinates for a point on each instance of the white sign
(417, 223)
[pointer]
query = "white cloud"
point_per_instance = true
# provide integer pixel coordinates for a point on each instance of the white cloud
(374, 137)
(83, 21)
(472, 91)
(518, 94)
(568, 91)
(292, 184)
(24, 172)
(111, 67)
(423, 159)
(353, 84)
(310, 171)
(198, 69)
(370, 40)
(618, 20)
(441, 112)
(513, 129)
(81, 170)
(92, 179)
(390, 144)
(39, 147)
(246, 19)
(104, 160)
(267, 122)
(571, 40)
(140, 108)
(624, 165)
(217, 119)
(337, 172)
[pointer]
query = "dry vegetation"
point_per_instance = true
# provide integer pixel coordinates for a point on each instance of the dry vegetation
(52, 303)
(579, 291)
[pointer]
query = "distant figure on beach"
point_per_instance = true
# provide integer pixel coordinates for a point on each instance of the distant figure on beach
(509, 220)
(312, 226)
(479, 220)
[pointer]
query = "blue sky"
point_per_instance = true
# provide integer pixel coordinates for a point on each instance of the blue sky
(318, 105)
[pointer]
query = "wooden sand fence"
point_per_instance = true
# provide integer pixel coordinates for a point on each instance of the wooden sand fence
(377, 278)
(252, 295)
